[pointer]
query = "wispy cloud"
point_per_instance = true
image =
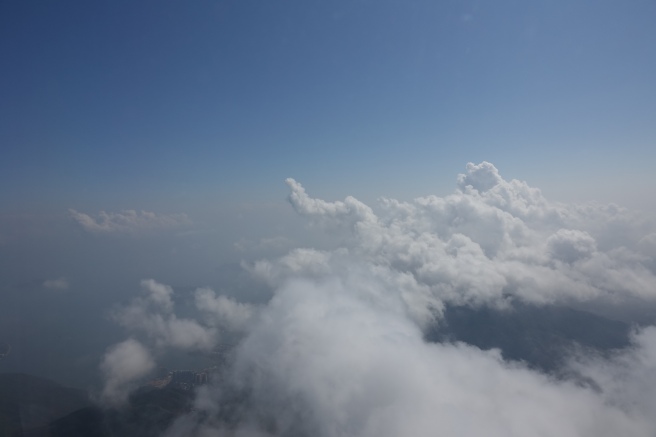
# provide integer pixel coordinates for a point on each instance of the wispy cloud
(127, 221)
(57, 284)
(122, 365)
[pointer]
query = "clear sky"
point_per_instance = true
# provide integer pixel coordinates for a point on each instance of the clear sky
(153, 104)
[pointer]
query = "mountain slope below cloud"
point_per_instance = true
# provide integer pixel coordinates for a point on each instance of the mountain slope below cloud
(149, 413)
(540, 336)
(28, 401)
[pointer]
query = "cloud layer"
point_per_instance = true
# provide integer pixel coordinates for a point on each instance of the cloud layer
(339, 348)
(333, 358)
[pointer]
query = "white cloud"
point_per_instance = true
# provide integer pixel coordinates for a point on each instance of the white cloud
(480, 177)
(490, 241)
(224, 311)
(159, 294)
(154, 316)
(127, 221)
(338, 357)
(339, 348)
(122, 366)
(350, 210)
(569, 245)
(57, 284)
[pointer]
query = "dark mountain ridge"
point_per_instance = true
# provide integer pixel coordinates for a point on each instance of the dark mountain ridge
(27, 402)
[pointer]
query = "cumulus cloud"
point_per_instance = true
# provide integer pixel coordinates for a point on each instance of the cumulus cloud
(479, 177)
(56, 284)
(127, 221)
(492, 241)
(350, 209)
(339, 349)
(159, 294)
(122, 366)
(153, 314)
(223, 311)
(570, 245)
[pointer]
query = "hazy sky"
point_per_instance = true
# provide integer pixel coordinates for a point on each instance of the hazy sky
(153, 175)
(145, 150)
(153, 104)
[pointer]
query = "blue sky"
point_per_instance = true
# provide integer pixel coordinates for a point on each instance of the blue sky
(153, 104)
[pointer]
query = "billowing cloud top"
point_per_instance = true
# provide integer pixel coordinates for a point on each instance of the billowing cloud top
(489, 242)
(127, 221)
